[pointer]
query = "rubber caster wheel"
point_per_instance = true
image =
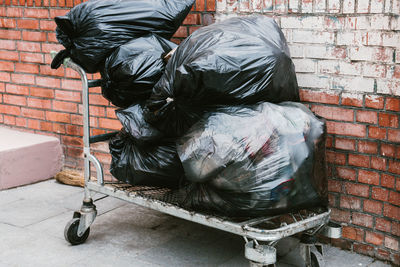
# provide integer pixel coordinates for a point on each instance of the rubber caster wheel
(317, 259)
(71, 233)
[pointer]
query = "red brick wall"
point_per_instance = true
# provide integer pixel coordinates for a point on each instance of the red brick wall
(347, 58)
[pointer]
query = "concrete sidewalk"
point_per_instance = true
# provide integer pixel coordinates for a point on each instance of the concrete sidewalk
(32, 221)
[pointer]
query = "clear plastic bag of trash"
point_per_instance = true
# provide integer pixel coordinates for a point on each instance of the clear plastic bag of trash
(255, 160)
(93, 29)
(133, 69)
(243, 60)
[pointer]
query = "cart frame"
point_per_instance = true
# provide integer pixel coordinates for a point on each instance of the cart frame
(253, 231)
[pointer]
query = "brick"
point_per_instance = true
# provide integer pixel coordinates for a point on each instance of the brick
(336, 157)
(355, 100)
(74, 151)
(304, 22)
(374, 70)
(312, 36)
(51, 37)
(10, 34)
(47, 48)
(23, 78)
(388, 120)
(376, 6)
(334, 6)
(109, 124)
(349, 129)
(182, 32)
(14, 12)
(28, 24)
(363, 249)
(371, 54)
(357, 189)
(394, 198)
(348, 202)
(65, 106)
(355, 84)
(325, 52)
(382, 225)
(334, 186)
(367, 147)
(59, 128)
(353, 233)
(34, 36)
(34, 124)
(39, 103)
(346, 173)
(391, 87)
(348, 6)
(41, 92)
(345, 144)
(31, 57)
(391, 211)
(393, 104)
(378, 163)
(46, 126)
(374, 238)
(5, 77)
(210, 5)
(388, 181)
(26, 68)
(74, 130)
(376, 132)
(68, 96)
(9, 55)
(350, 38)
(192, 19)
(367, 116)
(48, 82)
(14, 100)
(394, 166)
(394, 135)
(58, 117)
(40, 13)
(304, 65)
(47, 25)
(71, 84)
(7, 44)
(392, 243)
(376, 102)
(368, 177)
(72, 141)
(379, 22)
(10, 120)
(20, 122)
(362, 219)
(7, 23)
(17, 89)
(319, 97)
(6, 66)
(32, 113)
(11, 110)
(48, 71)
(396, 228)
(373, 206)
(28, 46)
(380, 194)
(340, 215)
(333, 113)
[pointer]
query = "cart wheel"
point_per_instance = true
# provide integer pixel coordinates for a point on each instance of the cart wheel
(71, 232)
(316, 259)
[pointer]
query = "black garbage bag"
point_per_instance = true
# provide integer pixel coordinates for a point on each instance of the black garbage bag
(134, 124)
(156, 165)
(93, 29)
(241, 60)
(257, 160)
(133, 69)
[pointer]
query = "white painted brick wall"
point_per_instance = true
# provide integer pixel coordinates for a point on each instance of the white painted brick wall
(346, 46)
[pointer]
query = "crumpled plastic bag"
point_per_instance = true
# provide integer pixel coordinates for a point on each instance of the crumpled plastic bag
(93, 29)
(255, 160)
(242, 60)
(134, 124)
(151, 165)
(133, 69)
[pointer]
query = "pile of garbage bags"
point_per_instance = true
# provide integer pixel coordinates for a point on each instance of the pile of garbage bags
(218, 122)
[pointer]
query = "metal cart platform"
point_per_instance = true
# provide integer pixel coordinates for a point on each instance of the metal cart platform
(260, 234)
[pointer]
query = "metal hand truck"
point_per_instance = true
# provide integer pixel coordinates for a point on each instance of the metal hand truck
(260, 234)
